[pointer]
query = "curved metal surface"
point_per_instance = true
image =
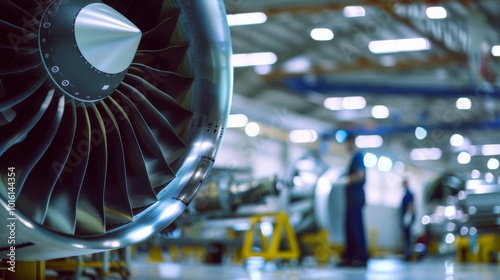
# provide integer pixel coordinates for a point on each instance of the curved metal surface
(203, 24)
(106, 39)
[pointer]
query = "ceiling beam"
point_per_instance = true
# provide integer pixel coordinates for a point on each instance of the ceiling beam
(303, 86)
(317, 8)
(368, 65)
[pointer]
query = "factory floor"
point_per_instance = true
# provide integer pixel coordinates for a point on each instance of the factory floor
(443, 268)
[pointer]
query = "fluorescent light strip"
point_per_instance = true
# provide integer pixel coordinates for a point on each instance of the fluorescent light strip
(254, 59)
(399, 45)
(322, 34)
(246, 19)
(436, 12)
(380, 112)
(369, 141)
(490, 150)
(354, 11)
(426, 154)
(345, 103)
(495, 51)
(237, 120)
(303, 136)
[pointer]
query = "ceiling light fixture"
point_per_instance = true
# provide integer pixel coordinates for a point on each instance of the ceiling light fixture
(322, 34)
(463, 158)
(399, 45)
(436, 12)
(252, 129)
(493, 163)
(490, 150)
(426, 154)
(354, 11)
(303, 136)
(354, 102)
(299, 64)
(384, 164)
(345, 103)
(495, 50)
(457, 140)
(370, 160)
(253, 59)
(237, 120)
(246, 18)
(369, 141)
(380, 112)
(475, 174)
(420, 133)
(463, 103)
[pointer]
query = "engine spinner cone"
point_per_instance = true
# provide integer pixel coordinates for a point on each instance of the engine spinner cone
(106, 39)
(86, 47)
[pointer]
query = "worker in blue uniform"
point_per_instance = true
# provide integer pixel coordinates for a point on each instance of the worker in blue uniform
(407, 219)
(355, 254)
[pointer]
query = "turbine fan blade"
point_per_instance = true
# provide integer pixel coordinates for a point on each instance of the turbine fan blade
(139, 189)
(176, 114)
(33, 110)
(158, 38)
(17, 38)
(90, 218)
(167, 59)
(14, 90)
(24, 155)
(61, 211)
(20, 63)
(14, 14)
(171, 83)
(33, 197)
(147, 16)
(171, 145)
(159, 171)
(116, 202)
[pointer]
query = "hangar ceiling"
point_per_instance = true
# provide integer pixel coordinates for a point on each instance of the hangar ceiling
(420, 88)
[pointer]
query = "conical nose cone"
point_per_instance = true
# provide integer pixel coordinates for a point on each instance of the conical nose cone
(106, 39)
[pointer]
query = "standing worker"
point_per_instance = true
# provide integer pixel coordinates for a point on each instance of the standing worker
(355, 254)
(407, 218)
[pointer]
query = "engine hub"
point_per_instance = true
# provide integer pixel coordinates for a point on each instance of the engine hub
(87, 47)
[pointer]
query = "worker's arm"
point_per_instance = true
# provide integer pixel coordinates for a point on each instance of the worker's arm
(407, 217)
(356, 177)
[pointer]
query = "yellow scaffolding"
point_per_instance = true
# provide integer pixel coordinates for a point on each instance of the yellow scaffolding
(271, 250)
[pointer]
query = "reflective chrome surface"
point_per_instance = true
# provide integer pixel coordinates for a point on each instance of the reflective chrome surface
(106, 39)
(200, 99)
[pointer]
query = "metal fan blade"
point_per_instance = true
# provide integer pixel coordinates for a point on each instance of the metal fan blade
(167, 59)
(171, 145)
(90, 217)
(171, 83)
(159, 171)
(61, 211)
(17, 37)
(11, 12)
(24, 155)
(121, 6)
(158, 38)
(32, 6)
(14, 90)
(147, 16)
(33, 198)
(33, 110)
(116, 202)
(140, 191)
(177, 115)
(18, 63)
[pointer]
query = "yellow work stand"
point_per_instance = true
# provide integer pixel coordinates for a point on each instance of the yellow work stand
(271, 250)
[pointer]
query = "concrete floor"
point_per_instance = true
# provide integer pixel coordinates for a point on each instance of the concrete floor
(383, 269)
